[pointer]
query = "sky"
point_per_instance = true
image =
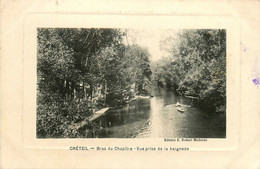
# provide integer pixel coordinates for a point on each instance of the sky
(151, 38)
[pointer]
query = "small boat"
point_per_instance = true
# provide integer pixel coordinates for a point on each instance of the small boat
(180, 110)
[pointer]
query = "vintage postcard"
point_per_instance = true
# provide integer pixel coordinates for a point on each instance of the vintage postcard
(160, 82)
(106, 89)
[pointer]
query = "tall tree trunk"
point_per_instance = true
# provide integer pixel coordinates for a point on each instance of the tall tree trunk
(105, 94)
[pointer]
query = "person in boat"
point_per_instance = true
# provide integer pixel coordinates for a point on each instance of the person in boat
(178, 104)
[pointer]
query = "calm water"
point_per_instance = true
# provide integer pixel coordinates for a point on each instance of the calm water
(158, 117)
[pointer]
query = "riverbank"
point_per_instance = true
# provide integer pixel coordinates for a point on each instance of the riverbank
(210, 104)
(131, 100)
(98, 114)
(88, 120)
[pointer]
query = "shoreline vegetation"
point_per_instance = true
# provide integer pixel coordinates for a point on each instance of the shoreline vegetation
(82, 73)
(195, 67)
(95, 116)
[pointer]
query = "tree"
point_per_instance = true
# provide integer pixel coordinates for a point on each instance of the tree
(196, 67)
(72, 63)
(122, 67)
(66, 59)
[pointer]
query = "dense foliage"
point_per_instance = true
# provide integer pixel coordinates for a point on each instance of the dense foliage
(84, 69)
(196, 67)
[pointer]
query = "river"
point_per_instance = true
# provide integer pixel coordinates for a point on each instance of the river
(158, 116)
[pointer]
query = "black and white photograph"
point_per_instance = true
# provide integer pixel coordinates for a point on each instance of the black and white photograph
(131, 83)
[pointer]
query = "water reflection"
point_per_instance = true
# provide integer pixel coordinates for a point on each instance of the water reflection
(159, 117)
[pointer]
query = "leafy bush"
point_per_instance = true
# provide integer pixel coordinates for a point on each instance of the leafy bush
(54, 119)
